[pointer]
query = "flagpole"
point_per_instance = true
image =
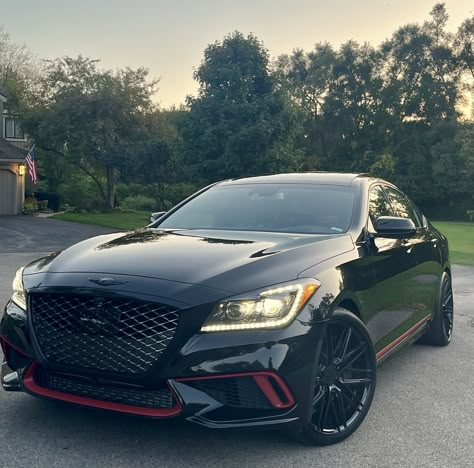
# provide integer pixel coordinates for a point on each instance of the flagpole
(29, 152)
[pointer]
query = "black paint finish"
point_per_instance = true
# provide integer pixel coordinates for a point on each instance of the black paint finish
(391, 284)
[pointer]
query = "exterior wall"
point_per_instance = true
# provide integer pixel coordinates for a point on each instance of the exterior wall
(19, 194)
(23, 143)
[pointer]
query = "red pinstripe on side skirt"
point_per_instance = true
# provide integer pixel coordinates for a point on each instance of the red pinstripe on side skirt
(392, 345)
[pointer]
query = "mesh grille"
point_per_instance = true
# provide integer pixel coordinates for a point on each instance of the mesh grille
(161, 398)
(238, 392)
(118, 335)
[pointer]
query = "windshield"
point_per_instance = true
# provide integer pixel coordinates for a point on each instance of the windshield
(292, 208)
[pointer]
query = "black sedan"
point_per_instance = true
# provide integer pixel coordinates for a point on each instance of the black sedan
(258, 302)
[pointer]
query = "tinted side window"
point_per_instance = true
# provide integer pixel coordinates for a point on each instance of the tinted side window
(378, 204)
(402, 206)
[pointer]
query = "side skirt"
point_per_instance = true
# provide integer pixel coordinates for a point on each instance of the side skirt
(406, 339)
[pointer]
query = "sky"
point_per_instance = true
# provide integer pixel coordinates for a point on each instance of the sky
(169, 36)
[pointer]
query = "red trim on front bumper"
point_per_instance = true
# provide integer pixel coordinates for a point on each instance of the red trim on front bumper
(262, 379)
(30, 384)
(392, 345)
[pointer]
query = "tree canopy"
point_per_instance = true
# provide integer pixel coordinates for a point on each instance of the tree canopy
(92, 117)
(239, 123)
(398, 111)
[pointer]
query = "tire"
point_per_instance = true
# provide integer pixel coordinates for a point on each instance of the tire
(345, 381)
(440, 330)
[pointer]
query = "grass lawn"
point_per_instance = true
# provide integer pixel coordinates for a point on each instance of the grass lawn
(126, 220)
(461, 240)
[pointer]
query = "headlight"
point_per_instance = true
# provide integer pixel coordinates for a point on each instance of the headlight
(269, 308)
(19, 296)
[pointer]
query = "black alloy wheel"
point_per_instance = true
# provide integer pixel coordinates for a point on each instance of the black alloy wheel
(447, 307)
(440, 331)
(345, 381)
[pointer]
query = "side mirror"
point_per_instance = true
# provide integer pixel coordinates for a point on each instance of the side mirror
(156, 216)
(394, 228)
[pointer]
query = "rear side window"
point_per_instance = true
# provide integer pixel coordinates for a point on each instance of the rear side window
(378, 204)
(402, 206)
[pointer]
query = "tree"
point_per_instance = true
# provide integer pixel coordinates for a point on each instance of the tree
(464, 43)
(156, 163)
(90, 116)
(19, 69)
(421, 71)
(339, 94)
(239, 123)
(308, 79)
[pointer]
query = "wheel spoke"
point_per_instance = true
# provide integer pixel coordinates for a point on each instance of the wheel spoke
(329, 340)
(334, 410)
(447, 299)
(346, 343)
(339, 344)
(342, 410)
(351, 397)
(355, 381)
(317, 398)
(324, 410)
(351, 357)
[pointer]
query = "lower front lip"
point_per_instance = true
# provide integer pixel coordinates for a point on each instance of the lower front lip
(270, 384)
(31, 386)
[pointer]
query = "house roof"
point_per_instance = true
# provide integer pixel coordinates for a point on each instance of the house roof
(11, 153)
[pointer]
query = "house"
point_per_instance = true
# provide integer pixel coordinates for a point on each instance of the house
(12, 155)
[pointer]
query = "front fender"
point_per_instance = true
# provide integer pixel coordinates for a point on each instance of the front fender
(344, 279)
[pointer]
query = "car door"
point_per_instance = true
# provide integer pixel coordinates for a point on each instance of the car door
(393, 297)
(427, 253)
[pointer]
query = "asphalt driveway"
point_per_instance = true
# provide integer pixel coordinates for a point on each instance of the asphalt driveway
(422, 414)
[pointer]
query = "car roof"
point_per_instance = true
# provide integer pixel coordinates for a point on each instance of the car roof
(323, 178)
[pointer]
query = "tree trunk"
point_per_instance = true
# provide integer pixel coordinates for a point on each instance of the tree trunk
(110, 195)
(161, 188)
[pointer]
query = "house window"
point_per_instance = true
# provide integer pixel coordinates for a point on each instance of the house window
(13, 129)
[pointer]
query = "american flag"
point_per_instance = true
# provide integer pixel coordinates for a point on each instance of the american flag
(31, 161)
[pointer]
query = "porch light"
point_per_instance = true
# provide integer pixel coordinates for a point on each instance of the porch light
(22, 169)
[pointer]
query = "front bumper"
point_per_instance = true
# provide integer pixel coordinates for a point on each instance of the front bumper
(219, 380)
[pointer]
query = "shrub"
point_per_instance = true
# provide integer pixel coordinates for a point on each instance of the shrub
(79, 191)
(178, 192)
(138, 202)
(30, 204)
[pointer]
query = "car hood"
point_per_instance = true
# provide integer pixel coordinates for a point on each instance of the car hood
(226, 260)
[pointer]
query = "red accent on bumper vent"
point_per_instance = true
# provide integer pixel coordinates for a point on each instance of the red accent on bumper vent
(264, 380)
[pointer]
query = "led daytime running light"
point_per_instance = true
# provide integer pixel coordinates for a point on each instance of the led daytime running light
(302, 293)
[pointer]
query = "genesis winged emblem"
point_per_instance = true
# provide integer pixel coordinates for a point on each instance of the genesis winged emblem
(106, 281)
